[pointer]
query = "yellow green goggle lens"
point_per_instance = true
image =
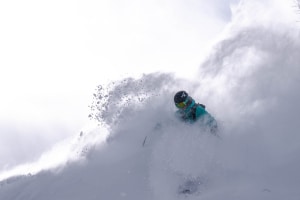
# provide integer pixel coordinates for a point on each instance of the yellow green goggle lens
(180, 105)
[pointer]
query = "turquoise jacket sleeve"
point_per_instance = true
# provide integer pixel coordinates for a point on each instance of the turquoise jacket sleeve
(206, 118)
(196, 112)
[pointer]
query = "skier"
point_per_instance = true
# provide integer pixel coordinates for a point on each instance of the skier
(190, 111)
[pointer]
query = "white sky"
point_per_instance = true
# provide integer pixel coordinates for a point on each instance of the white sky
(53, 54)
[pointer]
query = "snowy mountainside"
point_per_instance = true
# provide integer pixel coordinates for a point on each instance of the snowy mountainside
(249, 82)
(123, 167)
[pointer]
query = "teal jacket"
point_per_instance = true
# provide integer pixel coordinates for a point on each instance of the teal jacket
(196, 112)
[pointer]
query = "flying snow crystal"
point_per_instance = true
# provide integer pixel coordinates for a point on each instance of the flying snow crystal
(111, 102)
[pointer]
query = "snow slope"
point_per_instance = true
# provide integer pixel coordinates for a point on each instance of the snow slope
(249, 82)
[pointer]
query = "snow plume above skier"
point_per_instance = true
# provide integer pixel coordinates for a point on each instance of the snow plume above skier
(190, 111)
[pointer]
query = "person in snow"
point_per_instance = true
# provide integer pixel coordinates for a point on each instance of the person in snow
(190, 111)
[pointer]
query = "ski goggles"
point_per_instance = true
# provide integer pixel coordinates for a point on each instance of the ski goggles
(181, 105)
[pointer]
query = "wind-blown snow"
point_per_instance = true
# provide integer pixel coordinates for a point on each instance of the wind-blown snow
(249, 82)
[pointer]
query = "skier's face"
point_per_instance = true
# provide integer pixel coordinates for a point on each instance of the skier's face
(181, 105)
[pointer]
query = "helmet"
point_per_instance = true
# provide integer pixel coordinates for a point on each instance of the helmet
(180, 99)
(180, 96)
